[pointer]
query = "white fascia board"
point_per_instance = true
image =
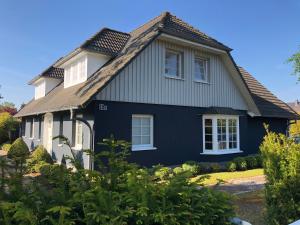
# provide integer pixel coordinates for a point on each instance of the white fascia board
(185, 42)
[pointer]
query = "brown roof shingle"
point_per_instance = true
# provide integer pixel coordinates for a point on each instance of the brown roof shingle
(268, 104)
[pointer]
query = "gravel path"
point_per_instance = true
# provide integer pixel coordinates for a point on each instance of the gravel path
(243, 185)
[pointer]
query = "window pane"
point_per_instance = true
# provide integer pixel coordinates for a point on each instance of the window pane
(146, 122)
(221, 130)
(173, 63)
(201, 69)
(146, 131)
(232, 133)
(136, 140)
(208, 134)
(136, 122)
(208, 122)
(146, 140)
(208, 146)
(136, 130)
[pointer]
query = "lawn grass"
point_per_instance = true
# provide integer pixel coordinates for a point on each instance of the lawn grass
(226, 176)
(251, 207)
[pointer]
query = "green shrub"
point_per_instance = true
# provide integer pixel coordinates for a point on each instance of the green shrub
(178, 170)
(215, 167)
(241, 163)
(37, 167)
(281, 159)
(192, 167)
(8, 124)
(118, 192)
(6, 147)
(231, 166)
(259, 160)
(18, 150)
(163, 172)
(204, 167)
(251, 162)
(41, 154)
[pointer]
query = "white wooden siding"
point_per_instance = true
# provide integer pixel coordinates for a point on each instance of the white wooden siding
(143, 81)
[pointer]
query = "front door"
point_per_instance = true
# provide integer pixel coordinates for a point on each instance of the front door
(48, 125)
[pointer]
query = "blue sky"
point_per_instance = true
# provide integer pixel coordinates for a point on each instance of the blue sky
(35, 33)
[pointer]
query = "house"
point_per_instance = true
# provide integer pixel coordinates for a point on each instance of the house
(174, 92)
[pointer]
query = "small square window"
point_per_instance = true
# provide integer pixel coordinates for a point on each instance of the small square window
(174, 63)
(201, 69)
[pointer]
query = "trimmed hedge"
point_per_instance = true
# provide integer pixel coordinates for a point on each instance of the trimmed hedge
(18, 150)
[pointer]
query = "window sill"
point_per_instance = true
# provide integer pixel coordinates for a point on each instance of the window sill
(31, 138)
(143, 148)
(220, 152)
(201, 82)
(77, 148)
(60, 145)
(175, 78)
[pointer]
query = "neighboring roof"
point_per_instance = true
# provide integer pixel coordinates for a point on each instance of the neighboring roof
(80, 95)
(295, 105)
(51, 72)
(268, 104)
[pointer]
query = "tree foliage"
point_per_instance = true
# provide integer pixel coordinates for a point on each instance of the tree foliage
(8, 125)
(8, 107)
(116, 193)
(295, 60)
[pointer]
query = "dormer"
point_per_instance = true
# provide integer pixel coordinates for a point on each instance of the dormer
(80, 67)
(46, 81)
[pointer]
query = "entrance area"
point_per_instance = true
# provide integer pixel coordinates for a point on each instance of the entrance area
(48, 127)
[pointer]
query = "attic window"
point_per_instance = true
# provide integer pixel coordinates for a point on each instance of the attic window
(201, 69)
(173, 63)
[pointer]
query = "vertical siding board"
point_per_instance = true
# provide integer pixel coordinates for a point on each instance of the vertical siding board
(143, 81)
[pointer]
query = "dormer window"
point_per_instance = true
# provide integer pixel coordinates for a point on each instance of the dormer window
(81, 66)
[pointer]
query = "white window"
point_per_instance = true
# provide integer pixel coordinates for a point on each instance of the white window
(78, 135)
(174, 63)
(201, 69)
(220, 134)
(142, 132)
(31, 128)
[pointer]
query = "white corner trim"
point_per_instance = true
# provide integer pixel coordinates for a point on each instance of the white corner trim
(142, 148)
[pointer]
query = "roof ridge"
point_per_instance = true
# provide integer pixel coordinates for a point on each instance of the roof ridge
(162, 15)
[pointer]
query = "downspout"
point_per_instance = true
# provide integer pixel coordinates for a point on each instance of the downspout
(91, 164)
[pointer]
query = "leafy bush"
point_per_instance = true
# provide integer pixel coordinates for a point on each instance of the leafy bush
(18, 150)
(6, 147)
(177, 170)
(215, 167)
(231, 166)
(41, 154)
(117, 193)
(192, 167)
(251, 162)
(241, 163)
(281, 160)
(205, 167)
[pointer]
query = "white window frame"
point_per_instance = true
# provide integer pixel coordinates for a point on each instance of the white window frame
(31, 129)
(180, 64)
(215, 150)
(206, 69)
(142, 147)
(77, 144)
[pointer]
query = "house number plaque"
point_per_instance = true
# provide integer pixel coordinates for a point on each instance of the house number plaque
(102, 107)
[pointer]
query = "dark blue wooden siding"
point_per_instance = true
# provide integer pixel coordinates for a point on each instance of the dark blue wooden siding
(177, 132)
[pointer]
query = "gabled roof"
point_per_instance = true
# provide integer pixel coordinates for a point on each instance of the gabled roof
(268, 104)
(133, 44)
